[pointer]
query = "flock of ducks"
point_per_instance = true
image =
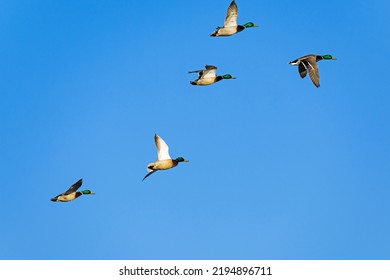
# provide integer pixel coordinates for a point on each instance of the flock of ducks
(163, 162)
(208, 76)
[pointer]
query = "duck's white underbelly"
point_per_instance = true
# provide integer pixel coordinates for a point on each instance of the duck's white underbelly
(227, 31)
(204, 82)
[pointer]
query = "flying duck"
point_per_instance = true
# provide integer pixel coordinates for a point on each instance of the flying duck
(71, 193)
(209, 76)
(230, 26)
(309, 63)
(164, 160)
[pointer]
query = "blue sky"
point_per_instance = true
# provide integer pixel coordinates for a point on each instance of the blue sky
(279, 169)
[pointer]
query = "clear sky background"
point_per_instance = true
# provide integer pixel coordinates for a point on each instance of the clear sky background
(279, 169)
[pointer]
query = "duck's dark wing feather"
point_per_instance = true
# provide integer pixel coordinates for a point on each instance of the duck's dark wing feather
(210, 71)
(150, 173)
(302, 70)
(200, 72)
(211, 67)
(74, 187)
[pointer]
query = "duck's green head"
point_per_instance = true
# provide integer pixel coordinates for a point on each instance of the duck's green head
(228, 76)
(250, 24)
(328, 56)
(180, 159)
(87, 192)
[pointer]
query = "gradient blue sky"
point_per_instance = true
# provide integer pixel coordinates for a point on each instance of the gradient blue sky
(278, 169)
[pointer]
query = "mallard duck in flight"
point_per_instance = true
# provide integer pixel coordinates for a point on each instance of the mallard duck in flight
(71, 193)
(164, 160)
(230, 26)
(209, 76)
(308, 63)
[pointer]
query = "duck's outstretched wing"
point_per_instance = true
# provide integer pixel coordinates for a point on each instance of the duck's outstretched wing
(314, 73)
(200, 73)
(150, 173)
(231, 15)
(210, 72)
(302, 70)
(162, 148)
(74, 187)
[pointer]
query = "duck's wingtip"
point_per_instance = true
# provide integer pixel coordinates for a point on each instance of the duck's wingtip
(147, 175)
